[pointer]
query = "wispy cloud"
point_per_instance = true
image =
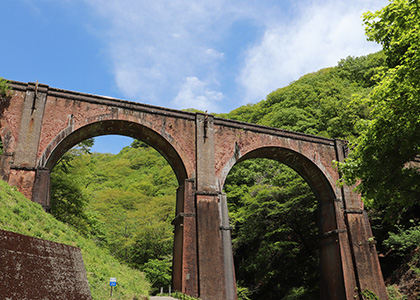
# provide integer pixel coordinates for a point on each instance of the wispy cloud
(169, 52)
(322, 33)
(197, 94)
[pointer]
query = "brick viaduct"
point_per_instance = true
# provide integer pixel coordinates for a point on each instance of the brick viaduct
(39, 124)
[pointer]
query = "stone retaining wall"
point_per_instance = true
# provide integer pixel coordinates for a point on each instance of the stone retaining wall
(32, 268)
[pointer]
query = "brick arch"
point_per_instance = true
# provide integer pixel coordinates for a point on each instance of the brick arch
(312, 174)
(68, 138)
(332, 286)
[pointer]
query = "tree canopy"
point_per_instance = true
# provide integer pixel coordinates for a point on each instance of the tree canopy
(380, 157)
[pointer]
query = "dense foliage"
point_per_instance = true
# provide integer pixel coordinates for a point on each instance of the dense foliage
(274, 215)
(68, 199)
(327, 103)
(380, 160)
(4, 88)
(392, 138)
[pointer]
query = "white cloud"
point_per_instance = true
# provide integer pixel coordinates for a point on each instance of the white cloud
(211, 53)
(197, 94)
(153, 45)
(173, 52)
(322, 33)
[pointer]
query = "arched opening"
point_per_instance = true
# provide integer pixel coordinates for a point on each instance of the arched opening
(288, 224)
(138, 203)
(57, 148)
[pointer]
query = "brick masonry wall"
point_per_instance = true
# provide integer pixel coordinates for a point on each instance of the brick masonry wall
(32, 268)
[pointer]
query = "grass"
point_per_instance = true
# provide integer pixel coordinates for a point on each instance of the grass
(181, 296)
(23, 216)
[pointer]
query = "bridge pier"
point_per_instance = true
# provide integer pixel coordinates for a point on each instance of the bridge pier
(338, 280)
(23, 178)
(203, 261)
(42, 188)
(230, 279)
(210, 248)
(366, 267)
(216, 271)
(33, 182)
(185, 260)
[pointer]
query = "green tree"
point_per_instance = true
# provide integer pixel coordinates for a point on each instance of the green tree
(275, 234)
(158, 272)
(381, 155)
(4, 88)
(68, 198)
(4, 93)
(133, 195)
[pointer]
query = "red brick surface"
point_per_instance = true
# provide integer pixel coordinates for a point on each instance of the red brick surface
(37, 269)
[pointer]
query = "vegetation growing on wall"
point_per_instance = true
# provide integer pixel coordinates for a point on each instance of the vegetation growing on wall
(4, 88)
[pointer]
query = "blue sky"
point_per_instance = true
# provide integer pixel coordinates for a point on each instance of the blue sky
(213, 55)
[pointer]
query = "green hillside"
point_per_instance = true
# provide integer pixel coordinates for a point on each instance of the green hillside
(20, 215)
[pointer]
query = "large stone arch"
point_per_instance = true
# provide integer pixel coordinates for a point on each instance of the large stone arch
(67, 139)
(64, 141)
(332, 245)
(317, 179)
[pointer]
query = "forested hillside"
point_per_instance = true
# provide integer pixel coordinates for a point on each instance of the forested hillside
(327, 103)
